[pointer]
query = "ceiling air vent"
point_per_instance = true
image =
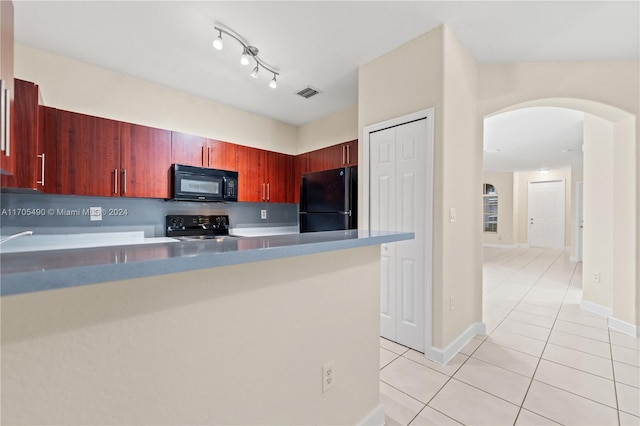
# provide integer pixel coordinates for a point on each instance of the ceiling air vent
(308, 92)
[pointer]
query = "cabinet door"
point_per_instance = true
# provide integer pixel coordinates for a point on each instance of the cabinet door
(222, 155)
(9, 144)
(88, 155)
(145, 161)
(25, 137)
(278, 177)
(47, 164)
(251, 184)
(188, 149)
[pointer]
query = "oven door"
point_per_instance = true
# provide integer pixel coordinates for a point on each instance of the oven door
(198, 187)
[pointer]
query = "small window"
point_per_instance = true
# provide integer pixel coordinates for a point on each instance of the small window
(489, 208)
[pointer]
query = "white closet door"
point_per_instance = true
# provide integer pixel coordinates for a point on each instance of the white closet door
(398, 190)
(410, 213)
(383, 217)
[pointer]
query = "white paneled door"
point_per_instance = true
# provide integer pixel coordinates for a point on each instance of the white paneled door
(398, 191)
(546, 214)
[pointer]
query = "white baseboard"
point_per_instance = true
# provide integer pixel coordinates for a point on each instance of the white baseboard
(624, 327)
(596, 309)
(504, 246)
(443, 356)
(374, 418)
(614, 323)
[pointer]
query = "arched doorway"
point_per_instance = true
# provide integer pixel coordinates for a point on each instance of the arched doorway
(610, 236)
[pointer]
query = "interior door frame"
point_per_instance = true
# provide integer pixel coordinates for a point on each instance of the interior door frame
(578, 222)
(365, 207)
(564, 213)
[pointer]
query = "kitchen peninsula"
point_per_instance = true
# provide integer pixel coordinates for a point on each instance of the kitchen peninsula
(235, 331)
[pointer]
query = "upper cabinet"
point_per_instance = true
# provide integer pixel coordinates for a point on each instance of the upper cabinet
(264, 176)
(88, 155)
(202, 152)
(25, 131)
(7, 140)
(333, 157)
(145, 161)
(101, 157)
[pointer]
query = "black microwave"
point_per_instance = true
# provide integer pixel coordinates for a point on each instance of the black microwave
(202, 184)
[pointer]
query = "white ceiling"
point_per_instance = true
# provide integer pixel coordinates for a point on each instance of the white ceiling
(316, 43)
(532, 139)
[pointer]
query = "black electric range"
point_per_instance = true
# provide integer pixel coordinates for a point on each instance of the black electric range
(197, 227)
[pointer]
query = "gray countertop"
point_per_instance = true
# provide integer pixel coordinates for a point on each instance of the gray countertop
(48, 270)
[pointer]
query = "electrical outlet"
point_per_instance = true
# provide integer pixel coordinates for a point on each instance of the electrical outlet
(452, 214)
(596, 277)
(452, 303)
(95, 213)
(328, 376)
(263, 214)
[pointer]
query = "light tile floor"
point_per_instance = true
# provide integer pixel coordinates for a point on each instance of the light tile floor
(544, 360)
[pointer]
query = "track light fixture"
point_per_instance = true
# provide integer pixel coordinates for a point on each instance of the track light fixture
(248, 53)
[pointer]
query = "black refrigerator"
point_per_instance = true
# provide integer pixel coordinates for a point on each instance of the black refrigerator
(329, 199)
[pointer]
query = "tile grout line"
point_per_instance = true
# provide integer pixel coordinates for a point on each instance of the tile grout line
(546, 343)
(615, 383)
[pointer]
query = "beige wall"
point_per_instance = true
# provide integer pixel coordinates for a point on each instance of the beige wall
(598, 211)
(335, 128)
(626, 296)
(78, 86)
(503, 183)
(521, 201)
(434, 70)
(214, 346)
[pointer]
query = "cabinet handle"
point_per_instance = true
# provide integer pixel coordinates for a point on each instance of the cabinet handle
(5, 126)
(263, 191)
(115, 181)
(343, 154)
(41, 182)
(202, 154)
(124, 181)
(3, 117)
(348, 154)
(268, 191)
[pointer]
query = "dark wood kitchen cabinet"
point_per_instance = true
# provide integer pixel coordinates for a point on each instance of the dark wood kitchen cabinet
(335, 156)
(202, 152)
(8, 144)
(222, 155)
(189, 150)
(101, 157)
(25, 133)
(278, 177)
(264, 176)
(47, 150)
(145, 161)
(88, 155)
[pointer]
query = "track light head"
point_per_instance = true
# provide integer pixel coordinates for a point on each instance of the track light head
(254, 73)
(217, 43)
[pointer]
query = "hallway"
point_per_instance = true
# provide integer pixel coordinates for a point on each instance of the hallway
(544, 360)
